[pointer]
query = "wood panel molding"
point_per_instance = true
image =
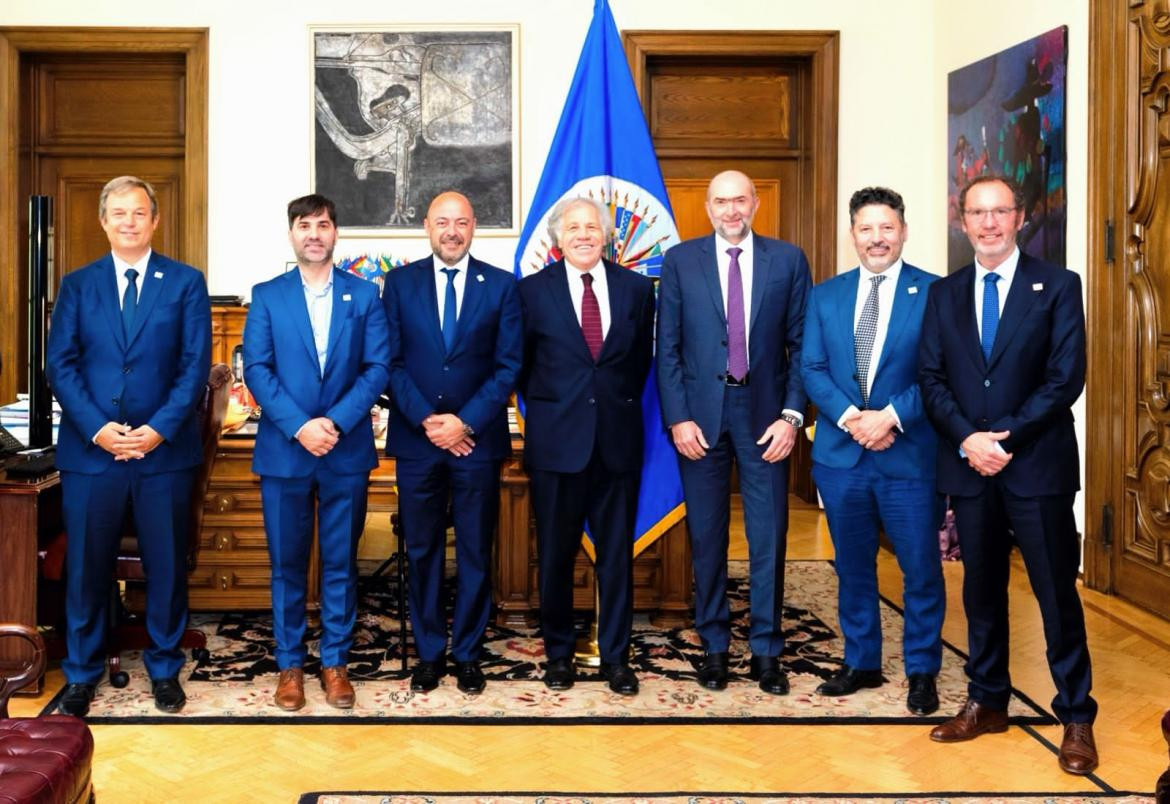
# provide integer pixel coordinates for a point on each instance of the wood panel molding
(818, 184)
(15, 42)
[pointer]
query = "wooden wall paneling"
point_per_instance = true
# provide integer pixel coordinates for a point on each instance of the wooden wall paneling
(18, 44)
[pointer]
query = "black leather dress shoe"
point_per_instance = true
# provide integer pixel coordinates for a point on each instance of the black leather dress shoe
(922, 699)
(847, 681)
(168, 695)
(620, 677)
(425, 676)
(469, 677)
(766, 670)
(559, 674)
(75, 700)
(713, 671)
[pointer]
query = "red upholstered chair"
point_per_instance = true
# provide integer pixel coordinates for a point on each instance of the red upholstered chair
(42, 759)
(127, 633)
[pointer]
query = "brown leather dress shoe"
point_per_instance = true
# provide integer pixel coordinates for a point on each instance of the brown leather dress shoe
(338, 691)
(973, 720)
(1078, 749)
(290, 689)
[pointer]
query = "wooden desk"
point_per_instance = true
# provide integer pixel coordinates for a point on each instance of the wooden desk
(233, 570)
(30, 514)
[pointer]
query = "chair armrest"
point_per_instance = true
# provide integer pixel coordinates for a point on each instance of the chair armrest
(30, 671)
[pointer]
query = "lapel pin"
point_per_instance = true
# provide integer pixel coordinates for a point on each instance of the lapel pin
(912, 289)
(158, 274)
(346, 297)
(1037, 286)
(479, 277)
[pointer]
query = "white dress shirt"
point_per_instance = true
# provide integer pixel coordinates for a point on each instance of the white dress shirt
(600, 290)
(120, 267)
(1007, 272)
(887, 290)
(746, 264)
(441, 285)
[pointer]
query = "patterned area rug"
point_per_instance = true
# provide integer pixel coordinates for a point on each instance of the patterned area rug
(720, 798)
(238, 681)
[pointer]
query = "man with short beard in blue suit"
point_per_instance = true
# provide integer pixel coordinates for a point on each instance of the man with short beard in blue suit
(730, 322)
(316, 359)
(456, 343)
(873, 456)
(128, 358)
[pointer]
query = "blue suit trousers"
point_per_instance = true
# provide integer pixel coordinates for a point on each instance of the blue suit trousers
(288, 520)
(764, 486)
(95, 508)
(858, 501)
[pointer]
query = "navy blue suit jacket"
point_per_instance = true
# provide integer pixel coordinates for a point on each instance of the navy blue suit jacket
(1036, 373)
(829, 370)
(692, 334)
(155, 376)
(475, 380)
(282, 371)
(571, 401)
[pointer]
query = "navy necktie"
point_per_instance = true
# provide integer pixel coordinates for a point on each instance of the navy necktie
(990, 314)
(449, 315)
(129, 301)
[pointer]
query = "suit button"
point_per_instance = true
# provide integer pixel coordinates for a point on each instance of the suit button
(724, 342)
(592, 401)
(125, 369)
(116, 401)
(721, 377)
(446, 368)
(440, 396)
(855, 378)
(987, 383)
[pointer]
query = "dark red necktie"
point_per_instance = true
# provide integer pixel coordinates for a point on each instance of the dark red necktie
(591, 317)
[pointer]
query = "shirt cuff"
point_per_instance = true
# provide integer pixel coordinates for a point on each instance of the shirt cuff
(849, 413)
(799, 416)
(897, 422)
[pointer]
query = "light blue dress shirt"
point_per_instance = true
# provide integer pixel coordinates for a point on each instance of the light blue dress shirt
(320, 304)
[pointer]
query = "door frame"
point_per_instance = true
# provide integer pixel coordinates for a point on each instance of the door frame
(818, 230)
(15, 42)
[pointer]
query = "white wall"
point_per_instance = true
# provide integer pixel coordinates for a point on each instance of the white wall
(260, 104)
(958, 42)
(894, 59)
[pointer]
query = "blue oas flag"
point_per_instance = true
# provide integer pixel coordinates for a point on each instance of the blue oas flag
(602, 150)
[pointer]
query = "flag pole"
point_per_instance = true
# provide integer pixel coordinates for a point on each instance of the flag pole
(588, 652)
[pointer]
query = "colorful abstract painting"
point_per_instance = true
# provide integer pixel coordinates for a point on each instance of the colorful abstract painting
(1006, 115)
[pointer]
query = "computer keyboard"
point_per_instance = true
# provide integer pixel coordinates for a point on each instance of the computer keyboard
(32, 466)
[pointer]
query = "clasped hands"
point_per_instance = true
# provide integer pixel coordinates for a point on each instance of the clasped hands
(127, 443)
(447, 431)
(872, 429)
(985, 454)
(691, 444)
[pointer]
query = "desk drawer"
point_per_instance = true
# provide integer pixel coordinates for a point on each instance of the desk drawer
(233, 501)
(231, 542)
(226, 588)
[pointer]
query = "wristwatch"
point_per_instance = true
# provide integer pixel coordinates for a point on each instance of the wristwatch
(468, 430)
(788, 417)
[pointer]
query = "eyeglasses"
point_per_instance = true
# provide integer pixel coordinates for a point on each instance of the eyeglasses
(999, 213)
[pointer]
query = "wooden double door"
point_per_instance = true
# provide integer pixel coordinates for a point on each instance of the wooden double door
(1127, 493)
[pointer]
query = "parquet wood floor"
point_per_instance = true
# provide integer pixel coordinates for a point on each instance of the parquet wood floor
(1131, 653)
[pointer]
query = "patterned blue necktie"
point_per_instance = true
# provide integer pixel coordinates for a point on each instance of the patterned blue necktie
(449, 315)
(990, 314)
(129, 301)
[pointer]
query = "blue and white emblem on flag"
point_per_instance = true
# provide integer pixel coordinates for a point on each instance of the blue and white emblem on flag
(602, 149)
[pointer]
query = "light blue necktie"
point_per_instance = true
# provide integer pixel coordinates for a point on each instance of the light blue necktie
(129, 301)
(990, 314)
(449, 316)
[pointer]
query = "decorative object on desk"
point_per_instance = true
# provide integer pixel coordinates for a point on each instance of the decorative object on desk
(237, 682)
(371, 267)
(402, 113)
(1006, 115)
